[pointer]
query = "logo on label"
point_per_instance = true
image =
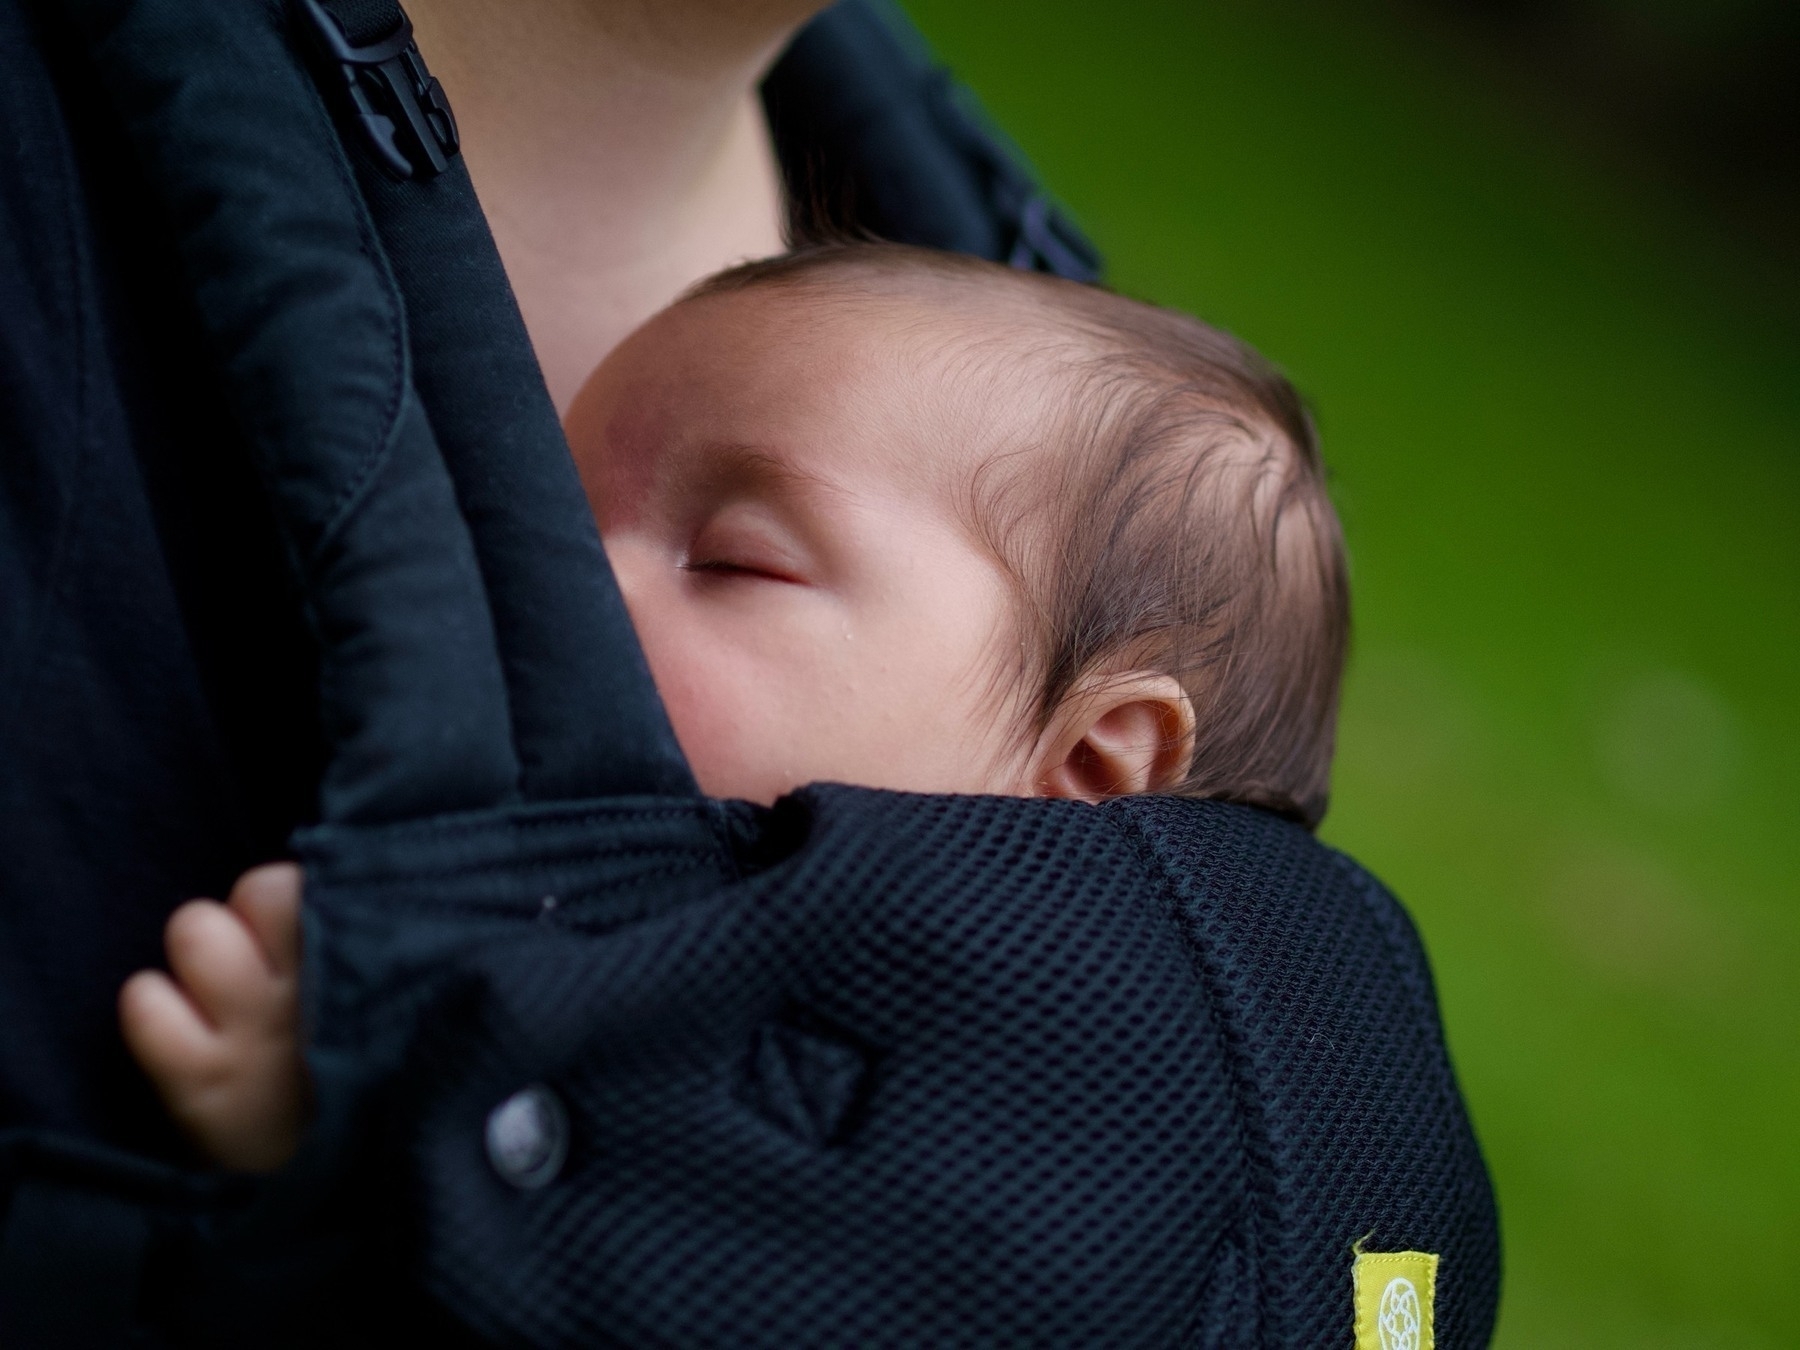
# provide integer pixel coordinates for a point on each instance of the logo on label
(1394, 1296)
(1398, 1319)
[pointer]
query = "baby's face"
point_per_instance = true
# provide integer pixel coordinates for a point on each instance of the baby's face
(777, 481)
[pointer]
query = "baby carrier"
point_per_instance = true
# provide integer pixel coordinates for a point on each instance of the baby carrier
(599, 1061)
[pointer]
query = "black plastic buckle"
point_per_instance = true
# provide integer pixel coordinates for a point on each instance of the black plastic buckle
(404, 115)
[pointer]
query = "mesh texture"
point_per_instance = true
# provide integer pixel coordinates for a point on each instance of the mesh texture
(926, 1070)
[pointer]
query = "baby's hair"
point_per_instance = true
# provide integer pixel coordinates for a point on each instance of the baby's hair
(1190, 532)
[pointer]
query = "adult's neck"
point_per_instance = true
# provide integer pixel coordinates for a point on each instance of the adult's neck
(618, 148)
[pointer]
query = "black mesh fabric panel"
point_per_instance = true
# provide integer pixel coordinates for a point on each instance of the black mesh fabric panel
(876, 1069)
(1351, 1111)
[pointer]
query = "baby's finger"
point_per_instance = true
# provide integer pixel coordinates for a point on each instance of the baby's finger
(219, 963)
(268, 900)
(164, 1031)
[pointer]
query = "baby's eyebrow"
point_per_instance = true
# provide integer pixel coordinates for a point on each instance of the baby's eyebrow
(736, 465)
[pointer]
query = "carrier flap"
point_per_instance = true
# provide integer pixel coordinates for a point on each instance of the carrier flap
(586, 717)
(377, 363)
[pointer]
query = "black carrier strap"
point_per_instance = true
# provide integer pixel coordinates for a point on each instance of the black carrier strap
(310, 332)
(402, 523)
(404, 116)
(879, 139)
(584, 710)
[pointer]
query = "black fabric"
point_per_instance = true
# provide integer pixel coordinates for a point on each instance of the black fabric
(584, 713)
(311, 338)
(365, 21)
(1038, 1143)
(876, 138)
(1349, 1107)
(70, 1266)
(1140, 1074)
(157, 688)
(106, 1248)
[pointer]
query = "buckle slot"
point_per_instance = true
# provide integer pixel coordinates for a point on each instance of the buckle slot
(405, 118)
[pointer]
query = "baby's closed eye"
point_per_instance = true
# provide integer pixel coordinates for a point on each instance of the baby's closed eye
(748, 543)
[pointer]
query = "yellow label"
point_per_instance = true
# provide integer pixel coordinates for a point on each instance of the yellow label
(1394, 1296)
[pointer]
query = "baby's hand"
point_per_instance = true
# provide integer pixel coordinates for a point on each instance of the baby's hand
(221, 1039)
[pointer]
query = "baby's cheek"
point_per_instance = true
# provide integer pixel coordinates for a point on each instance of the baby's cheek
(713, 739)
(722, 720)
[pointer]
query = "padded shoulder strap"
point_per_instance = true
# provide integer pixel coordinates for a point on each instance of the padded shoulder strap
(876, 137)
(586, 717)
(379, 368)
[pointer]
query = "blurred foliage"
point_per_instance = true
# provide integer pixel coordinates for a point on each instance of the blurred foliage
(1562, 420)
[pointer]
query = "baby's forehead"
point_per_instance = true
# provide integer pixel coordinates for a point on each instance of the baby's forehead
(972, 354)
(952, 316)
(967, 369)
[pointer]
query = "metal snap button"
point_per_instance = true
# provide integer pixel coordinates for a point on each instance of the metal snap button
(528, 1137)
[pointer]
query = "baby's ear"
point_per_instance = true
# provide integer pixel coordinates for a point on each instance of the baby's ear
(1122, 735)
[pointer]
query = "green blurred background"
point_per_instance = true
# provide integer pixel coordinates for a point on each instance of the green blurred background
(1560, 394)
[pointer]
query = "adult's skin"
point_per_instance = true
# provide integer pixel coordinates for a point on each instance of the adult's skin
(619, 150)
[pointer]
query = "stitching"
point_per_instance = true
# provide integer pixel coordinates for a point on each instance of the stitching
(1396, 924)
(455, 825)
(501, 910)
(448, 824)
(1242, 1081)
(348, 497)
(515, 866)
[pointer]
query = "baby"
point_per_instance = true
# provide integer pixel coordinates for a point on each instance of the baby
(902, 519)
